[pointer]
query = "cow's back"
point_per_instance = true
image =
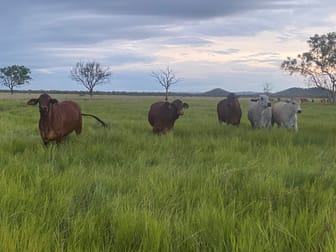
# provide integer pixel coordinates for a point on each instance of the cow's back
(154, 112)
(67, 117)
(266, 118)
(285, 114)
(223, 111)
(254, 114)
(160, 113)
(161, 116)
(279, 113)
(229, 111)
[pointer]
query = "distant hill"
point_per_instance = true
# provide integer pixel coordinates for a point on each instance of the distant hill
(216, 92)
(295, 91)
(302, 92)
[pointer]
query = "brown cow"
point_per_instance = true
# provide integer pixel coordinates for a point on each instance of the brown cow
(162, 115)
(57, 120)
(229, 111)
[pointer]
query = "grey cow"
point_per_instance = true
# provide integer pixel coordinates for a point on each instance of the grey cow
(284, 114)
(260, 113)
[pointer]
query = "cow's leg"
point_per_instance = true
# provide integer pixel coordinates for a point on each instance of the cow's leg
(78, 130)
(295, 123)
(58, 139)
(166, 130)
(156, 130)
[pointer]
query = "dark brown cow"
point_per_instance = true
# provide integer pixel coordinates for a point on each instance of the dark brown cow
(57, 120)
(162, 115)
(229, 111)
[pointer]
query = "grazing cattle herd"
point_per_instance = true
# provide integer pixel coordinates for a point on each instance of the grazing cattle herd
(261, 113)
(57, 120)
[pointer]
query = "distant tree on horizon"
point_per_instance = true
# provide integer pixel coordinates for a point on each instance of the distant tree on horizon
(267, 88)
(166, 79)
(15, 75)
(318, 65)
(90, 74)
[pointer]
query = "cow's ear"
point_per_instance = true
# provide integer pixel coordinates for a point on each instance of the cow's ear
(53, 101)
(185, 105)
(33, 101)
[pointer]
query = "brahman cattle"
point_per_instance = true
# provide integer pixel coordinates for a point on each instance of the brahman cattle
(259, 113)
(229, 111)
(284, 114)
(162, 115)
(57, 120)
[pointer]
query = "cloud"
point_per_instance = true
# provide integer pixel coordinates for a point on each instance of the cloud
(202, 39)
(184, 9)
(227, 51)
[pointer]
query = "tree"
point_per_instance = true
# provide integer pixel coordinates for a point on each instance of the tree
(90, 75)
(166, 78)
(267, 88)
(14, 75)
(318, 65)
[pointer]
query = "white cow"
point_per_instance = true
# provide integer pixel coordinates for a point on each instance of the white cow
(260, 112)
(284, 114)
(266, 118)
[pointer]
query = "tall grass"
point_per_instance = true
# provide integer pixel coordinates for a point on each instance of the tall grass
(202, 187)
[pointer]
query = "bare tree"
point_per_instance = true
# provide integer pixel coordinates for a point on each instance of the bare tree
(166, 78)
(90, 75)
(267, 88)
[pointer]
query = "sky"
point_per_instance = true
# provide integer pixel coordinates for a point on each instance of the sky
(236, 45)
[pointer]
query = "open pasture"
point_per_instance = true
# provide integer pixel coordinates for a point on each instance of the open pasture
(202, 187)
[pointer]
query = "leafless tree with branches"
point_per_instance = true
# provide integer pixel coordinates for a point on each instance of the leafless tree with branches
(267, 88)
(166, 78)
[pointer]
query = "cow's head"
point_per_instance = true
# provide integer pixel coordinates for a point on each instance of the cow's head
(44, 102)
(263, 100)
(180, 106)
(296, 104)
(232, 100)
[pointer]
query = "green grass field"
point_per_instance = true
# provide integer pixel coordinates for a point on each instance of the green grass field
(202, 187)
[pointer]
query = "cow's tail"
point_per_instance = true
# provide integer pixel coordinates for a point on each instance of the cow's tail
(95, 117)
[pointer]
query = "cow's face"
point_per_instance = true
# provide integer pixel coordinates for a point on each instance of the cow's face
(44, 102)
(296, 103)
(264, 101)
(180, 106)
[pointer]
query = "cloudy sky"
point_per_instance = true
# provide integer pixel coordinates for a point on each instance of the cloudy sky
(231, 44)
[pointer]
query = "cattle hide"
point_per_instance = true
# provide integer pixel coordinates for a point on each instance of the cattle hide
(259, 112)
(57, 120)
(284, 114)
(229, 111)
(162, 115)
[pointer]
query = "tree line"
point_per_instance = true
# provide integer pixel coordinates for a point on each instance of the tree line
(318, 66)
(89, 75)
